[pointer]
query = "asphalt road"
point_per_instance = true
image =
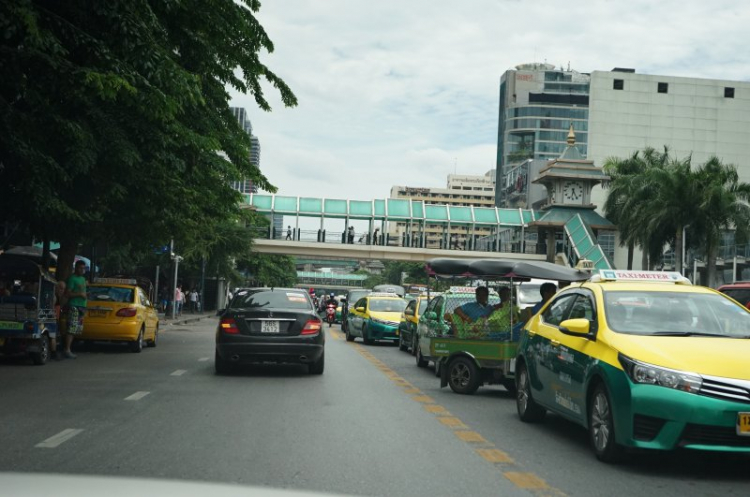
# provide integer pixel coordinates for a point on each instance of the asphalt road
(373, 424)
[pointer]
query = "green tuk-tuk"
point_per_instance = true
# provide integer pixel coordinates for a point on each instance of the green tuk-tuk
(27, 308)
(469, 355)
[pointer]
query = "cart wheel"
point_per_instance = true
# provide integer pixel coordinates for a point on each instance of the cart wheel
(421, 361)
(40, 358)
(414, 343)
(463, 376)
(528, 410)
(438, 366)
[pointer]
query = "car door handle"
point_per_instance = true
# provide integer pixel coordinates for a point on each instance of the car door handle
(554, 343)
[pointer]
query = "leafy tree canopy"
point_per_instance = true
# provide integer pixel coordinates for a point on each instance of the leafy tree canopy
(114, 117)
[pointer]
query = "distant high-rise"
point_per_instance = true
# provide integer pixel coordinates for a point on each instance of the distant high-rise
(247, 186)
(538, 103)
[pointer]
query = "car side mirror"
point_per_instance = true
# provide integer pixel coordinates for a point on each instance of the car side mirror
(360, 309)
(580, 327)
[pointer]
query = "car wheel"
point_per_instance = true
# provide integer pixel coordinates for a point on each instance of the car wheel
(137, 346)
(401, 344)
(414, 344)
(318, 366)
(366, 339)
(602, 427)
(421, 361)
(463, 376)
(528, 410)
(40, 358)
(221, 366)
(510, 385)
(152, 342)
(349, 337)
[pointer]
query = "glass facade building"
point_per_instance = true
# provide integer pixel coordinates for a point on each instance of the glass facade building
(538, 103)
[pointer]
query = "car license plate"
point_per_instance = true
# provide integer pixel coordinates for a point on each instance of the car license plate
(97, 313)
(269, 326)
(743, 424)
(11, 325)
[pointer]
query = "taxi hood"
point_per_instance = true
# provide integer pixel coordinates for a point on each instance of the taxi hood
(725, 357)
(386, 316)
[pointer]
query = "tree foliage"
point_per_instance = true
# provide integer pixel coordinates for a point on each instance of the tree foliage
(114, 117)
(653, 197)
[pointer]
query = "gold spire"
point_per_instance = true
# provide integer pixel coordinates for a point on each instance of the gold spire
(571, 136)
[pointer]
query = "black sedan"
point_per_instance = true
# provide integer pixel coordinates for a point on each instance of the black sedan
(270, 325)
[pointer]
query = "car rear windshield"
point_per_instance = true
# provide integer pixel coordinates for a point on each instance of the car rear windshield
(110, 294)
(277, 299)
(665, 313)
(741, 295)
(387, 305)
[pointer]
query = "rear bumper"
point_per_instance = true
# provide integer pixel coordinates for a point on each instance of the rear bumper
(123, 331)
(280, 353)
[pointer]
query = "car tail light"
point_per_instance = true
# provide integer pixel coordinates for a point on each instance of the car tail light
(127, 312)
(312, 327)
(229, 325)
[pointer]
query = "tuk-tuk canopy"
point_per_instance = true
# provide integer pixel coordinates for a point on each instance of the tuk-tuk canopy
(503, 269)
(16, 267)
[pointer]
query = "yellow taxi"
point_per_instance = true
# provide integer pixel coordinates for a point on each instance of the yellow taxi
(642, 360)
(375, 317)
(410, 321)
(119, 310)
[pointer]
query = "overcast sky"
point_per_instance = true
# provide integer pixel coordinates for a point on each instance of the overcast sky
(404, 92)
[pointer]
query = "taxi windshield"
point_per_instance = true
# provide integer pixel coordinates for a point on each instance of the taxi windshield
(675, 314)
(387, 305)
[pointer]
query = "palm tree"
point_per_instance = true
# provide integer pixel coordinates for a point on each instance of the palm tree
(724, 205)
(629, 199)
(667, 204)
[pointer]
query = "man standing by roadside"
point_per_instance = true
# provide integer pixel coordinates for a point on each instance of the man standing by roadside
(76, 307)
(194, 301)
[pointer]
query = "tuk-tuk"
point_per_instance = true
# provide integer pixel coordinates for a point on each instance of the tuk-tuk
(27, 308)
(469, 355)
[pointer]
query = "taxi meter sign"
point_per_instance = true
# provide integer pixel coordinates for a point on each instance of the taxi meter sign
(642, 276)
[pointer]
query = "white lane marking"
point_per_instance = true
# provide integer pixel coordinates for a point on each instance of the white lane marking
(61, 437)
(203, 359)
(136, 396)
(179, 372)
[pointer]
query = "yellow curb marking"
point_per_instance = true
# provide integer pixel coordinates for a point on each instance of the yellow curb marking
(494, 455)
(452, 422)
(526, 480)
(411, 390)
(423, 398)
(435, 409)
(470, 436)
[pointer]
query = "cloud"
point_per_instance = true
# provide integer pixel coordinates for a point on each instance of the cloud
(394, 93)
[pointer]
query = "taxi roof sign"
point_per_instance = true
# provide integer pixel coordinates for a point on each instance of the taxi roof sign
(640, 276)
(116, 281)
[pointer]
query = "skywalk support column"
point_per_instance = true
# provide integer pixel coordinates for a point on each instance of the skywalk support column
(551, 245)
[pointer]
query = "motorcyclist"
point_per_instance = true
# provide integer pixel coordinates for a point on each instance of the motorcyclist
(331, 301)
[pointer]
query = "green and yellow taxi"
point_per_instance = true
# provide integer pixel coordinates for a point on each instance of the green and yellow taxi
(643, 360)
(375, 317)
(407, 327)
(119, 310)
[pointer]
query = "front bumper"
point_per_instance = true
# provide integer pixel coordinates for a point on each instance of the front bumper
(381, 331)
(655, 417)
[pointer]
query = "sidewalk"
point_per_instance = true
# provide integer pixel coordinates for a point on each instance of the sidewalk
(186, 318)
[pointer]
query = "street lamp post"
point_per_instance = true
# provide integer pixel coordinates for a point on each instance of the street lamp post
(176, 258)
